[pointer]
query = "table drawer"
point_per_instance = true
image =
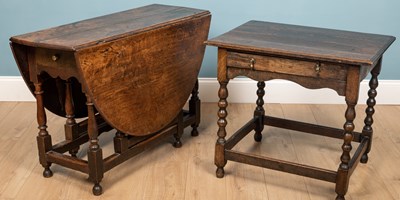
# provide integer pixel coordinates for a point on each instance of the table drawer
(50, 58)
(286, 66)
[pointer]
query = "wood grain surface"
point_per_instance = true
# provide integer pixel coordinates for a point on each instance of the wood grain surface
(106, 28)
(305, 42)
(140, 83)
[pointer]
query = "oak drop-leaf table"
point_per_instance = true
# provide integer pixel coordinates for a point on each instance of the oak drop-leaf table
(132, 71)
(314, 58)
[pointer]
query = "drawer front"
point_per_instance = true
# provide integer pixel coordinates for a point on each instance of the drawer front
(49, 58)
(286, 66)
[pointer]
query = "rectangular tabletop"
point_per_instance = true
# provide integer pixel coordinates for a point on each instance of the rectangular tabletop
(109, 27)
(305, 42)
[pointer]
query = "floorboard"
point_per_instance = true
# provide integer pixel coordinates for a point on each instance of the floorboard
(165, 172)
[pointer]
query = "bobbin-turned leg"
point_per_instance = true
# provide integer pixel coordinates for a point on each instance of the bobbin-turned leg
(352, 91)
(220, 160)
(367, 129)
(95, 154)
(342, 180)
(43, 138)
(194, 108)
(70, 124)
(259, 112)
(179, 132)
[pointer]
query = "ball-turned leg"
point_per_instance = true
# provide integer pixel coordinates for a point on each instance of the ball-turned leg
(220, 160)
(43, 138)
(194, 108)
(259, 112)
(367, 129)
(342, 179)
(95, 154)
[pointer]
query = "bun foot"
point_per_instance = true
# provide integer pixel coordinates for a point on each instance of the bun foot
(364, 158)
(194, 132)
(220, 172)
(47, 173)
(97, 189)
(258, 137)
(178, 144)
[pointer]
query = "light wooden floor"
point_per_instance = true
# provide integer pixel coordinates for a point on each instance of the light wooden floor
(189, 173)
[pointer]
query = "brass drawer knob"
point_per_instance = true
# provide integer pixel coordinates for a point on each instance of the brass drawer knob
(55, 57)
(252, 62)
(317, 68)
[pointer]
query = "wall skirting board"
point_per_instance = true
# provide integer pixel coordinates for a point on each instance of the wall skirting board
(242, 90)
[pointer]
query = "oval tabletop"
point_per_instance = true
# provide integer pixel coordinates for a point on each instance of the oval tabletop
(140, 83)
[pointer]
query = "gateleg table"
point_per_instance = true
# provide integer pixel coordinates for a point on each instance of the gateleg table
(132, 71)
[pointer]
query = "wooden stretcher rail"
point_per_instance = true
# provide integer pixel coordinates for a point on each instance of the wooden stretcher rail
(280, 165)
(134, 145)
(240, 134)
(156, 139)
(188, 118)
(138, 146)
(67, 145)
(67, 161)
(309, 128)
(357, 155)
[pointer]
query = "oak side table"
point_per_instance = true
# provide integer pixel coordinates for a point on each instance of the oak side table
(132, 71)
(313, 58)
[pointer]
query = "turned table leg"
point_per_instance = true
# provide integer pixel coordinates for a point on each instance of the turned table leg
(43, 138)
(179, 131)
(259, 112)
(194, 108)
(95, 154)
(220, 160)
(367, 129)
(342, 180)
(70, 133)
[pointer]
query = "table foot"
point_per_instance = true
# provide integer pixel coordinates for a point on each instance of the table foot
(194, 132)
(177, 143)
(220, 172)
(47, 173)
(97, 189)
(258, 137)
(364, 158)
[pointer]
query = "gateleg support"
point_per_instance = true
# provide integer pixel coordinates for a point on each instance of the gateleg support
(43, 138)
(95, 153)
(194, 108)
